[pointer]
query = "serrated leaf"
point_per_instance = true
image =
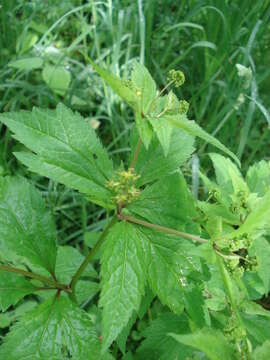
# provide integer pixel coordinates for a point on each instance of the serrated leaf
(67, 149)
(152, 164)
(164, 130)
(55, 328)
(145, 85)
(164, 273)
(118, 85)
(13, 287)
(167, 202)
(158, 345)
(228, 176)
(194, 129)
(26, 226)
(258, 177)
(210, 341)
(123, 279)
(57, 78)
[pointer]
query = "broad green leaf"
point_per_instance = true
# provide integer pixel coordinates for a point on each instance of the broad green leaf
(13, 287)
(27, 63)
(118, 86)
(26, 226)
(257, 219)
(228, 176)
(123, 279)
(167, 202)
(144, 129)
(195, 130)
(258, 177)
(158, 345)
(145, 87)
(164, 130)
(210, 341)
(67, 149)
(262, 352)
(55, 330)
(164, 271)
(26, 41)
(153, 165)
(57, 78)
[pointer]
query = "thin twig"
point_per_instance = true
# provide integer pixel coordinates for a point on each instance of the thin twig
(32, 275)
(163, 229)
(91, 254)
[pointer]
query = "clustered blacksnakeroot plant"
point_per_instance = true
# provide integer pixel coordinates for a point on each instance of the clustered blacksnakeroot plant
(206, 261)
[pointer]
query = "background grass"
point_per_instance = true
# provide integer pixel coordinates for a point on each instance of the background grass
(205, 39)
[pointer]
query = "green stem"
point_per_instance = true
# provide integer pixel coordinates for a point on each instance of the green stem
(34, 276)
(136, 154)
(91, 254)
(163, 229)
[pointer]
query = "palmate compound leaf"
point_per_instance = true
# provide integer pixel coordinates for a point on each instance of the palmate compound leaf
(66, 147)
(152, 164)
(56, 330)
(123, 279)
(13, 287)
(194, 129)
(26, 226)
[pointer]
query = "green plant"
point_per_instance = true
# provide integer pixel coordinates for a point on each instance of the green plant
(206, 261)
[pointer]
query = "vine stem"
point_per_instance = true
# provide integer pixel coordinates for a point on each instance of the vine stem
(91, 254)
(34, 276)
(163, 229)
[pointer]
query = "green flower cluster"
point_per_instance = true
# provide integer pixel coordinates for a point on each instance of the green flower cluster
(123, 186)
(177, 77)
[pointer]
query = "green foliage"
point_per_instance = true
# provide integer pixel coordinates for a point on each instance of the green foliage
(177, 276)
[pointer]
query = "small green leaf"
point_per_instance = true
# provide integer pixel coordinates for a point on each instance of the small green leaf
(13, 287)
(27, 63)
(26, 226)
(228, 176)
(257, 219)
(145, 86)
(119, 86)
(261, 248)
(123, 279)
(194, 129)
(164, 130)
(144, 129)
(258, 177)
(210, 341)
(54, 329)
(153, 165)
(57, 78)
